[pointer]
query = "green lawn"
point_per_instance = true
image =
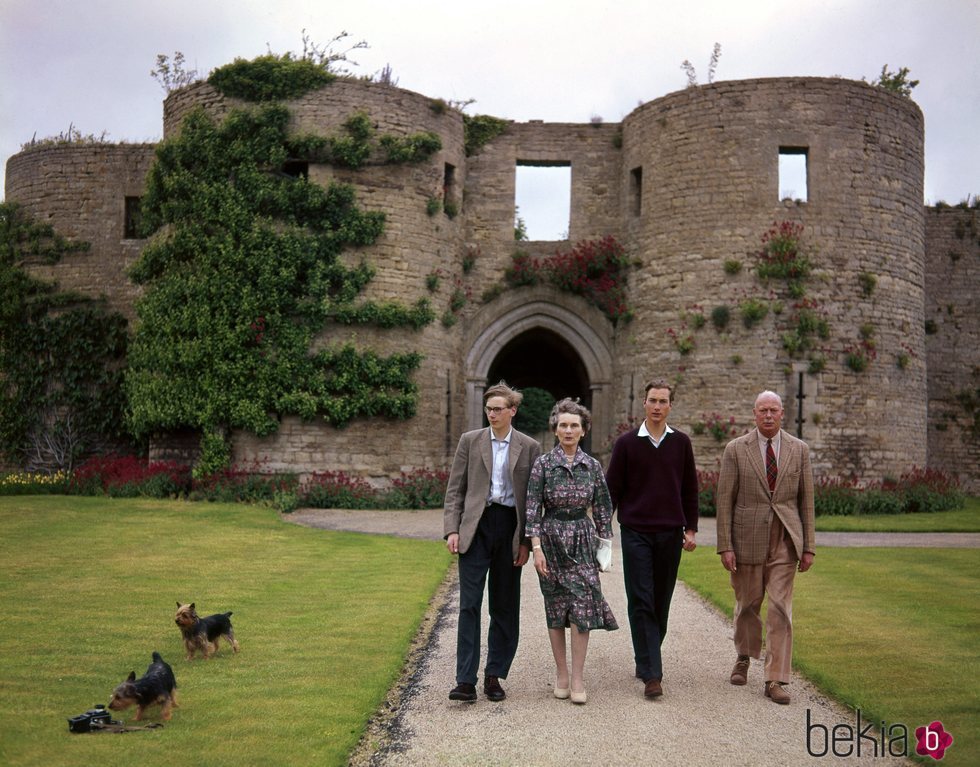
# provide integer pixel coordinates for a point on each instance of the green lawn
(893, 632)
(89, 587)
(965, 520)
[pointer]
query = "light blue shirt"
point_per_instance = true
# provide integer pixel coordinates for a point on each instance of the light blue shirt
(501, 489)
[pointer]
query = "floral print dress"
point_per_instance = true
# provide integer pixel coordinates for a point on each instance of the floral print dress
(558, 496)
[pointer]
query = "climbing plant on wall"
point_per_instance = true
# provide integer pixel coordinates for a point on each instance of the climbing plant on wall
(242, 272)
(61, 355)
(593, 269)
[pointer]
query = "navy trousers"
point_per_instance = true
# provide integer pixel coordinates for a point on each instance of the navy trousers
(490, 555)
(650, 563)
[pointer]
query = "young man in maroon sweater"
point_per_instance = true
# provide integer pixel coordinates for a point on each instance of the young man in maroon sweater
(654, 486)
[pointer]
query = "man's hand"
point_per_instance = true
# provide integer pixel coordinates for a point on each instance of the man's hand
(728, 561)
(806, 562)
(689, 542)
(452, 543)
(522, 555)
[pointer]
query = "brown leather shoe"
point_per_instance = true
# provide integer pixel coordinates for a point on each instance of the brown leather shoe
(492, 689)
(740, 674)
(776, 693)
(653, 689)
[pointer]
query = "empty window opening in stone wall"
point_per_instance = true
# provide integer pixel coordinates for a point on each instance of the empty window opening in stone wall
(448, 185)
(131, 218)
(793, 173)
(636, 190)
(543, 197)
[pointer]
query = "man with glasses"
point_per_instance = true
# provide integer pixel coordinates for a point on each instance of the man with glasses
(483, 522)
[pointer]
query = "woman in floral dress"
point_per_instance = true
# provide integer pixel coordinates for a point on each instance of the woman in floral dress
(564, 484)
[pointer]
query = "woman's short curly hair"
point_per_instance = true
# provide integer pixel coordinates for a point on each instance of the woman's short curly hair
(572, 406)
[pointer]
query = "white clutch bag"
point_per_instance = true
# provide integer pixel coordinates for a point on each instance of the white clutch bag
(603, 555)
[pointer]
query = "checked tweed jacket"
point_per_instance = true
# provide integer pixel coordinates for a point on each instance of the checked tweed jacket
(469, 484)
(745, 506)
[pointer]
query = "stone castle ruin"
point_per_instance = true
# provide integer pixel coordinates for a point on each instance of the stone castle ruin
(688, 185)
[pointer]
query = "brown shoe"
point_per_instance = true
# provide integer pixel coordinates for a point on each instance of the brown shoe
(776, 693)
(740, 674)
(653, 689)
(492, 689)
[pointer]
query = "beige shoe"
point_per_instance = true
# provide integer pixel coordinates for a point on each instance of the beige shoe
(562, 693)
(740, 674)
(777, 693)
(578, 697)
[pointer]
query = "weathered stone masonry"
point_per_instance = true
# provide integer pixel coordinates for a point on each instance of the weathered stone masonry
(685, 182)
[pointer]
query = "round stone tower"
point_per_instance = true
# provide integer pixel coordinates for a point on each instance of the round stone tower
(418, 256)
(700, 180)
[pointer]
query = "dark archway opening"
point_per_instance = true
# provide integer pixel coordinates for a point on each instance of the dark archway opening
(542, 359)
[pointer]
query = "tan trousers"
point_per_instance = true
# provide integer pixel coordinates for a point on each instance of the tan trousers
(751, 584)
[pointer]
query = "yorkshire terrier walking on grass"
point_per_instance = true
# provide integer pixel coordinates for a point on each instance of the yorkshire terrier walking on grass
(157, 685)
(203, 633)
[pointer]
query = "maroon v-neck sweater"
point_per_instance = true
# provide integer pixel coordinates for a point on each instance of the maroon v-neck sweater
(654, 488)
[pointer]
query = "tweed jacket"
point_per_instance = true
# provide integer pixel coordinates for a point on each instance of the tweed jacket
(745, 506)
(469, 484)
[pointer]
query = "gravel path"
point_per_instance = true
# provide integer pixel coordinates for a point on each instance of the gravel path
(701, 719)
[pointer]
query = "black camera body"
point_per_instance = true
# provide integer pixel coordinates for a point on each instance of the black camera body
(91, 719)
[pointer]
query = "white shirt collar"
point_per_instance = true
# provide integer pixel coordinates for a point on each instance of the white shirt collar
(494, 438)
(644, 432)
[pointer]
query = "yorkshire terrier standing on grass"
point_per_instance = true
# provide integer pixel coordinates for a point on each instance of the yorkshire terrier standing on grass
(157, 685)
(203, 633)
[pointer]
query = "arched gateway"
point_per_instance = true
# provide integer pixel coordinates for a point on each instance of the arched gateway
(544, 339)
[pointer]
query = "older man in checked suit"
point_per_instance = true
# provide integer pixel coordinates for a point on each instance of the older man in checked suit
(765, 534)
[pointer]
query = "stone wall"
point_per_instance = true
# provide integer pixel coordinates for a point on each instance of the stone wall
(81, 191)
(709, 160)
(953, 341)
(686, 182)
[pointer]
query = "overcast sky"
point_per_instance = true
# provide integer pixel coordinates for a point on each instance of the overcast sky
(87, 63)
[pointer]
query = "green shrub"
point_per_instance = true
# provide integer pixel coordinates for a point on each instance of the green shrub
(834, 496)
(245, 484)
(707, 493)
(732, 266)
(269, 78)
(418, 489)
(129, 476)
(917, 490)
(720, 317)
(410, 149)
(480, 130)
(535, 410)
(337, 490)
(753, 311)
(876, 501)
(285, 501)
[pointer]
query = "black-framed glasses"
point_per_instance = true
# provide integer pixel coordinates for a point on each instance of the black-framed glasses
(495, 410)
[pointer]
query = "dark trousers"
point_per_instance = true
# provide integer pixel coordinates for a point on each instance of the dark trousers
(650, 562)
(490, 554)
